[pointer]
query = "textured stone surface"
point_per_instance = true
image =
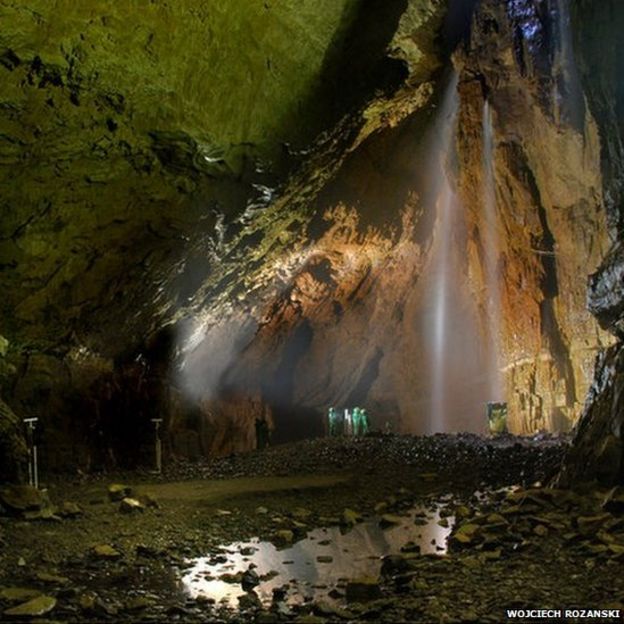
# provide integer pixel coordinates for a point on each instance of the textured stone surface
(159, 263)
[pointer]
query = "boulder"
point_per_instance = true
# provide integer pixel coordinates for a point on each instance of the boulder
(18, 594)
(119, 491)
(33, 608)
(363, 589)
(130, 505)
(20, 498)
(105, 551)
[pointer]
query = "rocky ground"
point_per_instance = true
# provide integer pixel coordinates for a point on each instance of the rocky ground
(101, 553)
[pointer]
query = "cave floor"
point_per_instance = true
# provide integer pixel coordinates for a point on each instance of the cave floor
(283, 493)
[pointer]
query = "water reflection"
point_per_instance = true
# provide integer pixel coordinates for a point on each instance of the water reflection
(316, 565)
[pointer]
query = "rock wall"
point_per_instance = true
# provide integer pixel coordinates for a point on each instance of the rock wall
(182, 242)
(597, 452)
(347, 323)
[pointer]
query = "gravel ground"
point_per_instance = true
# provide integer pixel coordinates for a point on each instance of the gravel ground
(194, 509)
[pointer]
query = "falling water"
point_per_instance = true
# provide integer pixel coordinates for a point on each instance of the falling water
(461, 376)
(491, 248)
(568, 96)
(442, 259)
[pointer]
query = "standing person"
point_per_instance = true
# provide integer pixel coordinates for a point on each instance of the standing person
(332, 418)
(348, 422)
(364, 422)
(357, 421)
(340, 423)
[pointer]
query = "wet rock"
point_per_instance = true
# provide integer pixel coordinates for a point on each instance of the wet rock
(138, 603)
(105, 551)
(33, 608)
(388, 520)
(70, 510)
(391, 565)
(130, 505)
(119, 491)
(47, 514)
(250, 600)
(326, 609)
(232, 578)
(466, 533)
(363, 589)
(18, 594)
(54, 579)
(351, 517)
(614, 500)
(283, 537)
(20, 498)
(590, 524)
(310, 618)
(249, 580)
(149, 500)
(248, 551)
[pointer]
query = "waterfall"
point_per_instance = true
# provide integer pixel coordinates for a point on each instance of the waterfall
(491, 249)
(462, 356)
(568, 93)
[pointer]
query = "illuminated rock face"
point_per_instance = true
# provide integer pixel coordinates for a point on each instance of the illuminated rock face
(349, 325)
(141, 200)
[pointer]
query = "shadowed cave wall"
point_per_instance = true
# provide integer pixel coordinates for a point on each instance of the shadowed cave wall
(173, 251)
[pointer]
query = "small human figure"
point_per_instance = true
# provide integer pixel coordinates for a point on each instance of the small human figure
(364, 422)
(340, 423)
(332, 419)
(356, 421)
(262, 433)
(348, 423)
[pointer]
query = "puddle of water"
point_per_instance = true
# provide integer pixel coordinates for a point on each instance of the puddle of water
(343, 556)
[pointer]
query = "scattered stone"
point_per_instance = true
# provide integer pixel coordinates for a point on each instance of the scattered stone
(284, 536)
(262, 510)
(54, 579)
(105, 551)
(119, 491)
(70, 510)
(33, 608)
(149, 500)
(444, 523)
(350, 517)
(324, 558)
(392, 565)
(463, 512)
(540, 530)
(137, 603)
(614, 500)
(310, 618)
(250, 600)
(591, 524)
(233, 579)
(21, 498)
(466, 533)
(250, 579)
(388, 520)
(130, 505)
(18, 594)
(328, 610)
(47, 513)
(363, 590)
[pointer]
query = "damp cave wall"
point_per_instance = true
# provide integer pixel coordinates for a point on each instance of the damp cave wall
(153, 270)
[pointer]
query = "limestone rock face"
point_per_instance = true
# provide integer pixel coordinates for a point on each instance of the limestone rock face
(217, 213)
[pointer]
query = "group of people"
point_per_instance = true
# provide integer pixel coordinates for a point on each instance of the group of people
(347, 422)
